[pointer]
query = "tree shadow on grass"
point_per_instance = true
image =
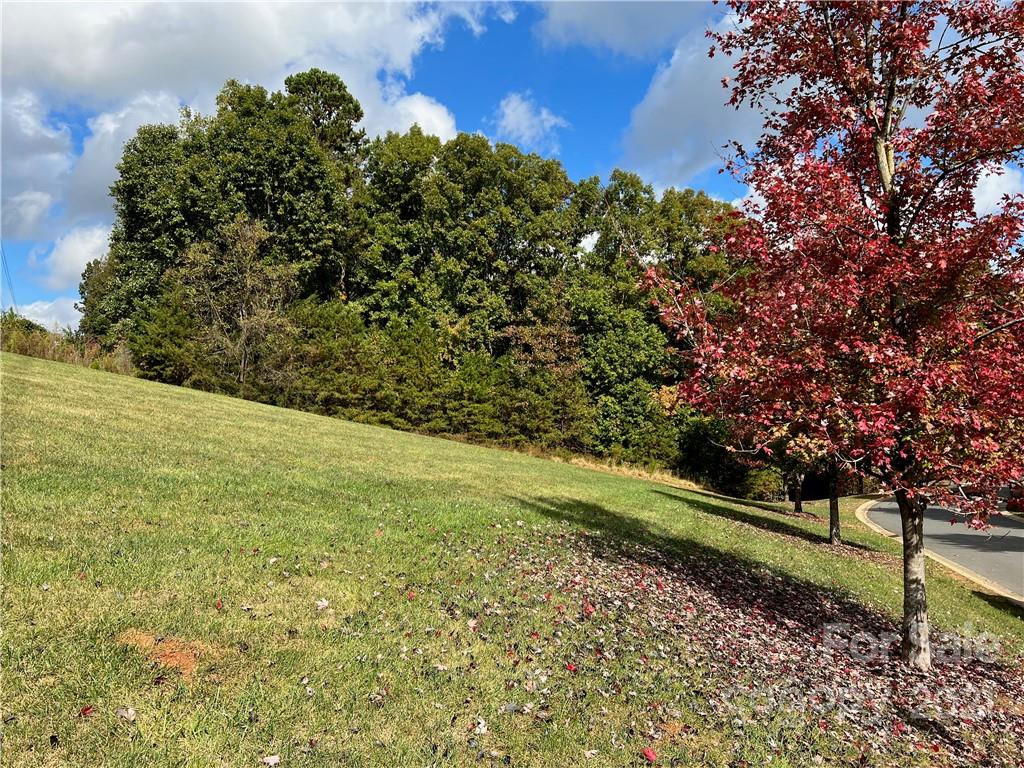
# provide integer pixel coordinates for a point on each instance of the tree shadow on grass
(1001, 603)
(793, 605)
(767, 506)
(758, 521)
(742, 583)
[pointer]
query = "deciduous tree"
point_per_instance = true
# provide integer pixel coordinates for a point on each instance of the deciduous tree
(875, 307)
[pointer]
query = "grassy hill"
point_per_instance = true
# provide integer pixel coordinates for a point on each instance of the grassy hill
(194, 580)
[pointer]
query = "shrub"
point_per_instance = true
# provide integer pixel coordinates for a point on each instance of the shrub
(24, 337)
(763, 485)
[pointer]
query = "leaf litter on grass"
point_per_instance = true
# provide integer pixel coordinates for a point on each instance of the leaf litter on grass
(691, 641)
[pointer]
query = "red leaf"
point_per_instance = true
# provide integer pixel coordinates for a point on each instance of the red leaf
(86, 711)
(649, 754)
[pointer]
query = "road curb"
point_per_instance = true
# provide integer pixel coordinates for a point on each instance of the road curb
(986, 584)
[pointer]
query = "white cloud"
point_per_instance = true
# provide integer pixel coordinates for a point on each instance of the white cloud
(634, 29)
(749, 201)
(23, 211)
(506, 12)
(35, 145)
(395, 110)
(56, 314)
(95, 170)
(63, 267)
(129, 64)
(96, 53)
(680, 127)
(991, 188)
(521, 120)
(36, 161)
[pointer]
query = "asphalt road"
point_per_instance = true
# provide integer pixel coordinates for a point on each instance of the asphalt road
(997, 554)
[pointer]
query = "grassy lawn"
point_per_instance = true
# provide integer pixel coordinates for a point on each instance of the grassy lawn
(194, 580)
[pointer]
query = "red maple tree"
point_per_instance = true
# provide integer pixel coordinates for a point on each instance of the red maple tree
(876, 315)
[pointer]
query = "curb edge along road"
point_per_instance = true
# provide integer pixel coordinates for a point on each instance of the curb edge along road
(986, 584)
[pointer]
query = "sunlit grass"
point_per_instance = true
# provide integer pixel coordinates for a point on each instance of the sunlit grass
(219, 524)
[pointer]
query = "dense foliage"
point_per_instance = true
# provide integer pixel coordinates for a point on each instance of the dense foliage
(271, 251)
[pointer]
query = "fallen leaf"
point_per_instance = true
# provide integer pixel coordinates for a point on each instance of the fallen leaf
(322, 604)
(649, 754)
(126, 713)
(87, 710)
(271, 760)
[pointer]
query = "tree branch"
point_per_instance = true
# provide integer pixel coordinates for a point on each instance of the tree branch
(998, 328)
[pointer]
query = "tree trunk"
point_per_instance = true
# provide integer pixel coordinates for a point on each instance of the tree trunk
(798, 493)
(835, 535)
(916, 649)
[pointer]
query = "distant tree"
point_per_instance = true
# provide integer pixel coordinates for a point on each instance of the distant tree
(149, 234)
(472, 234)
(12, 322)
(259, 156)
(625, 360)
(166, 344)
(291, 161)
(875, 307)
(690, 231)
(331, 112)
(235, 298)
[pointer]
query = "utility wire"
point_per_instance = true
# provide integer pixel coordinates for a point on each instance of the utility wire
(7, 277)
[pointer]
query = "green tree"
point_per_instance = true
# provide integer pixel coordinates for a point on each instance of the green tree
(166, 341)
(227, 297)
(269, 250)
(331, 112)
(291, 161)
(148, 235)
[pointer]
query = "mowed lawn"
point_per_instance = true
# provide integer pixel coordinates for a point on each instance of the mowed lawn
(194, 580)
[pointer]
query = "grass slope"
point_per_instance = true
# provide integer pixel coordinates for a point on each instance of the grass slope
(252, 582)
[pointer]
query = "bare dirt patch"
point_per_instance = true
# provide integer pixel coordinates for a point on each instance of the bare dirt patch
(167, 652)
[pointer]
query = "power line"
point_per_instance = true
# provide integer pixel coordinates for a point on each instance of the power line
(7, 277)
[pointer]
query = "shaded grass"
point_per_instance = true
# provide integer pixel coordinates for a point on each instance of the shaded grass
(133, 506)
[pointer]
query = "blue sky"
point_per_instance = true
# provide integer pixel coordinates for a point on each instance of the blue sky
(598, 85)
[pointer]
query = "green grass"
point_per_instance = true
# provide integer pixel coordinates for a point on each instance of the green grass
(218, 524)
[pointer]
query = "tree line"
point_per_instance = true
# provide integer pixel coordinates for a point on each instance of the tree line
(272, 251)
